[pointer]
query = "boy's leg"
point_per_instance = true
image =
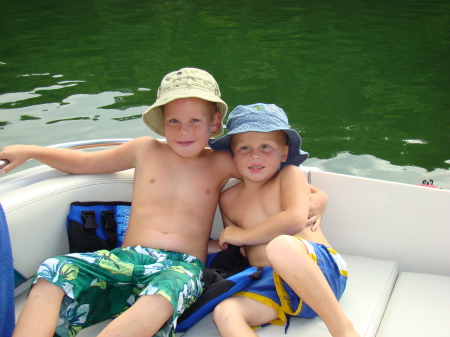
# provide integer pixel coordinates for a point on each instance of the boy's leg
(144, 318)
(40, 313)
(235, 315)
(289, 258)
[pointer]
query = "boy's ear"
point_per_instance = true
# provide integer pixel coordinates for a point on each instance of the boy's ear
(215, 122)
(285, 154)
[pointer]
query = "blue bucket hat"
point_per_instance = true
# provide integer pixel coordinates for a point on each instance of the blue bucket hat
(261, 117)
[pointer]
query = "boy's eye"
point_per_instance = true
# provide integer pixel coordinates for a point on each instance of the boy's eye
(173, 121)
(265, 146)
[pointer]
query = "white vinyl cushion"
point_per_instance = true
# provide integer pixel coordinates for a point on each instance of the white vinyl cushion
(419, 306)
(368, 289)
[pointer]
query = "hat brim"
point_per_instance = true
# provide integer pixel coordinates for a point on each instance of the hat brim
(296, 156)
(153, 116)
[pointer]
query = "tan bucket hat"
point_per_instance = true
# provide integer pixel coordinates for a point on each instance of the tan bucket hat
(184, 83)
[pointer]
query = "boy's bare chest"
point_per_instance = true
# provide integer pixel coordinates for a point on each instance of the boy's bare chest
(168, 179)
(256, 208)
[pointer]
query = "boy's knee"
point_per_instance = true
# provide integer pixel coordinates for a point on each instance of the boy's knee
(221, 311)
(282, 247)
(155, 301)
(279, 244)
(42, 285)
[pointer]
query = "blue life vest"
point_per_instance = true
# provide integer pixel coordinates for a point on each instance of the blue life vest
(97, 225)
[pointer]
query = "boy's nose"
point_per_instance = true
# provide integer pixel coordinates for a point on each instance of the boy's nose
(184, 129)
(255, 154)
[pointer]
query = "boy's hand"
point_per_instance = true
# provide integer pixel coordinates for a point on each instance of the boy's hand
(3, 163)
(318, 203)
(230, 235)
(213, 246)
(314, 222)
(14, 155)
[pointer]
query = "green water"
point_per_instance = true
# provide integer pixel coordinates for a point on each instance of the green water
(364, 82)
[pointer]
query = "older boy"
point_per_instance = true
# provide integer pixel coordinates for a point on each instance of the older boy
(175, 194)
(176, 190)
(267, 213)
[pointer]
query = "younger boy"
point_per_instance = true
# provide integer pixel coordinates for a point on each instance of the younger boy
(267, 214)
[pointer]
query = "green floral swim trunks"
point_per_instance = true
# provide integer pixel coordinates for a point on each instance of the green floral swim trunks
(103, 284)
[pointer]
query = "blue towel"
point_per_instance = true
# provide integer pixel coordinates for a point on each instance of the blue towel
(7, 315)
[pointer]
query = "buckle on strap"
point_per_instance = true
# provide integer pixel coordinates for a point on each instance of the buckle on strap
(89, 219)
(108, 220)
(109, 225)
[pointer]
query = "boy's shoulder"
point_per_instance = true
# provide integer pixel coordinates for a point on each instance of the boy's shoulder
(146, 141)
(290, 170)
(141, 140)
(223, 161)
(231, 193)
(219, 157)
(143, 147)
(291, 176)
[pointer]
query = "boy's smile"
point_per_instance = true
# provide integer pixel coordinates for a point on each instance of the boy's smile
(256, 169)
(185, 143)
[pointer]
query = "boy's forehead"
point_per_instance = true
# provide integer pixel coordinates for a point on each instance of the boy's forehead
(188, 105)
(188, 114)
(256, 136)
(188, 100)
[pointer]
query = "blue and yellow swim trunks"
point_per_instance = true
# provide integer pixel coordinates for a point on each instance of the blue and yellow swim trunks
(274, 292)
(103, 284)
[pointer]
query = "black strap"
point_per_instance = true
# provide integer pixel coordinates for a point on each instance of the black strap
(89, 220)
(109, 225)
(83, 237)
(257, 274)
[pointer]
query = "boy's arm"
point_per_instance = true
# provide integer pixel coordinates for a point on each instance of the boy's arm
(72, 161)
(62, 159)
(213, 246)
(228, 228)
(319, 201)
(295, 200)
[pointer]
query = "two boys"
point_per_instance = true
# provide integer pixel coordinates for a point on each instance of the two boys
(156, 274)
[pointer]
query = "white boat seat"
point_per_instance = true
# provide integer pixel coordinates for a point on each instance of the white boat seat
(408, 312)
(368, 289)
